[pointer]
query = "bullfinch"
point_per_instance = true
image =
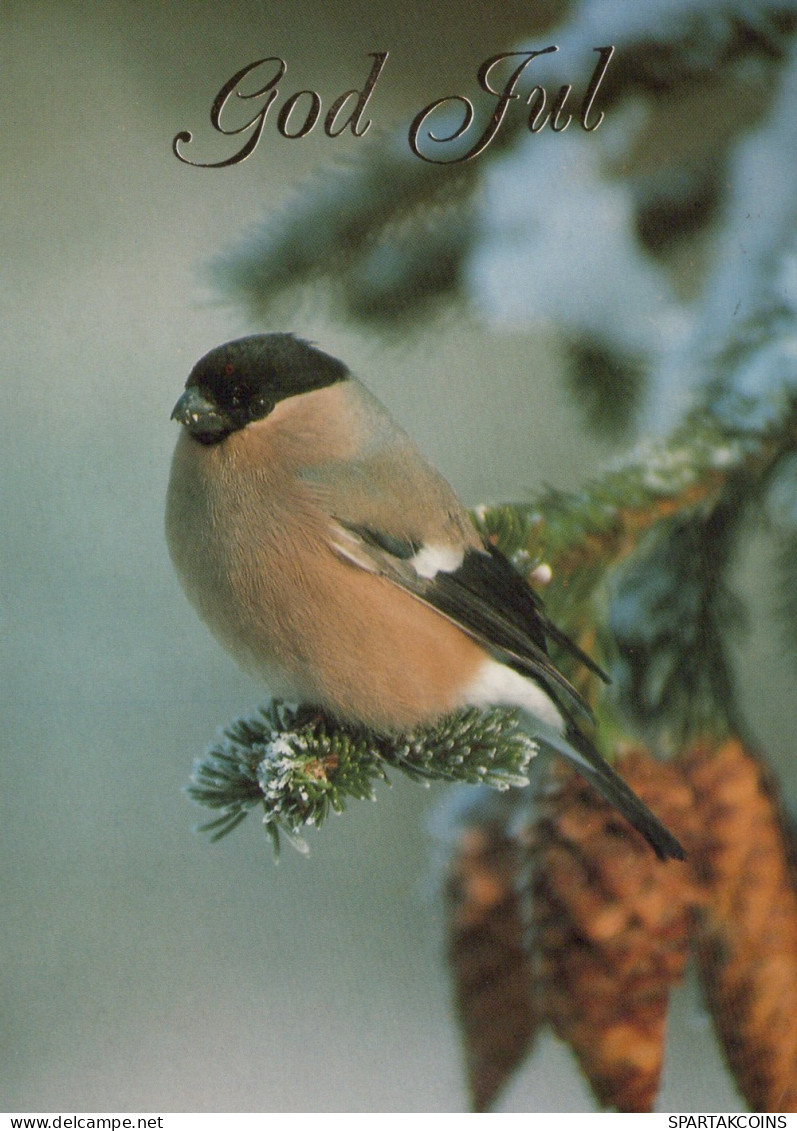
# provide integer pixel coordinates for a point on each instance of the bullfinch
(337, 565)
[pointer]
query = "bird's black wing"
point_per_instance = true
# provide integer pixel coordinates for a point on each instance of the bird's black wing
(485, 596)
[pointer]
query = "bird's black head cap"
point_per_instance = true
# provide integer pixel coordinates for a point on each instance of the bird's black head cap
(243, 380)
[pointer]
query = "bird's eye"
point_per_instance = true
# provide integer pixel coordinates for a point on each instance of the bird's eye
(237, 395)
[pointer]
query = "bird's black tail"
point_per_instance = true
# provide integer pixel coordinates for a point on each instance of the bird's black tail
(578, 749)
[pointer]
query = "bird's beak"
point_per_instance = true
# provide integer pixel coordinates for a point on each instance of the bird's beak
(201, 417)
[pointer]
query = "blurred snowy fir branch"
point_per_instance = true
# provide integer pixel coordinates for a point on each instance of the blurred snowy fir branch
(679, 314)
(391, 236)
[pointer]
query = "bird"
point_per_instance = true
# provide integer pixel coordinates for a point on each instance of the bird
(336, 564)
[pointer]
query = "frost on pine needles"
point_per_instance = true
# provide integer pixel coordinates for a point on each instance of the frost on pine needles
(297, 764)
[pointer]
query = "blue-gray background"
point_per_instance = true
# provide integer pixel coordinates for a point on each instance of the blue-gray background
(144, 969)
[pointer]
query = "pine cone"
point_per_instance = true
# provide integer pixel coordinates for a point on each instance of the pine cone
(612, 927)
(747, 945)
(486, 951)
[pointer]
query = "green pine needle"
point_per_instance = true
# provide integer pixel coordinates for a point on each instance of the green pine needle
(299, 765)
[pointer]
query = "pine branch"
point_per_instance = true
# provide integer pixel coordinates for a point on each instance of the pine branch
(601, 524)
(386, 233)
(607, 382)
(673, 508)
(298, 765)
